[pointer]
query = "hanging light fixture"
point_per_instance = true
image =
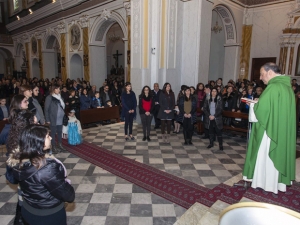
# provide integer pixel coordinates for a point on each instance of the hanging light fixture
(217, 28)
(113, 37)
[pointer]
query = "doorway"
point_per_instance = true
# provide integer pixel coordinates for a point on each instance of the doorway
(257, 63)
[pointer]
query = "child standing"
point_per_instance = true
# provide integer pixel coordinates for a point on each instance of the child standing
(73, 130)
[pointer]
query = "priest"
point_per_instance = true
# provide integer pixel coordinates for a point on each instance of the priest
(271, 155)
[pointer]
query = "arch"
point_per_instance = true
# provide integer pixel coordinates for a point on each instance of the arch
(102, 25)
(76, 67)
(50, 37)
(228, 22)
(36, 68)
(19, 49)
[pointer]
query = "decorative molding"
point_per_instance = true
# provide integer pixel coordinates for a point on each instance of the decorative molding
(127, 6)
(61, 28)
(106, 14)
(136, 29)
(84, 21)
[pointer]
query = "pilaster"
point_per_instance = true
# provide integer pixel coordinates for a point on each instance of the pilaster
(245, 54)
(61, 28)
(84, 21)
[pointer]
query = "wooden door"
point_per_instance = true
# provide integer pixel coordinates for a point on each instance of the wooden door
(257, 63)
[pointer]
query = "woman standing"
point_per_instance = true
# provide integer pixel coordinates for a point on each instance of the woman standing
(212, 109)
(146, 107)
(187, 116)
(26, 90)
(74, 103)
(54, 113)
(165, 114)
(39, 111)
(85, 100)
(128, 109)
(200, 96)
(42, 180)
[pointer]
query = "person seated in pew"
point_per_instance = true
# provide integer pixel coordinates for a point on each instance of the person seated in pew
(4, 109)
(108, 104)
(96, 102)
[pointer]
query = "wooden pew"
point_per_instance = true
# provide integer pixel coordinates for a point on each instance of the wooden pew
(99, 114)
(228, 114)
(234, 115)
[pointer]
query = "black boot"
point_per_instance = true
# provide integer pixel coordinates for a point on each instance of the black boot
(185, 137)
(18, 218)
(54, 150)
(211, 141)
(190, 141)
(220, 139)
(148, 138)
(144, 138)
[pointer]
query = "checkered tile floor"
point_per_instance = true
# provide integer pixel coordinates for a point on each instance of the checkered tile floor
(103, 198)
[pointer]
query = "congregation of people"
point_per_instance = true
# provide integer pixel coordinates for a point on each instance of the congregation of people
(29, 104)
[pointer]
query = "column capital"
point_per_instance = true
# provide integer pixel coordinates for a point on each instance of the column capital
(61, 28)
(84, 21)
(127, 6)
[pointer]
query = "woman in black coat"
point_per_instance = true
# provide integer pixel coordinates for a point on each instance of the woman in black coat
(146, 108)
(165, 114)
(187, 115)
(42, 180)
(212, 109)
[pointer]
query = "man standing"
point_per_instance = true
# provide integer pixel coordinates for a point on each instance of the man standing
(207, 97)
(270, 160)
(155, 93)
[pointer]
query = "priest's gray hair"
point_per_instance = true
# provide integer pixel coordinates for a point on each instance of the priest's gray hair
(271, 66)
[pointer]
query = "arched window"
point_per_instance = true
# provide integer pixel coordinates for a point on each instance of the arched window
(16, 4)
(297, 71)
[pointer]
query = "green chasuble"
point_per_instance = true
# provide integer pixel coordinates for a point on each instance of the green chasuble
(276, 114)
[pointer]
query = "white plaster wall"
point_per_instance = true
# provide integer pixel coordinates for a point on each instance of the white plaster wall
(268, 23)
(35, 68)
(189, 42)
(49, 62)
(97, 65)
(76, 67)
(217, 51)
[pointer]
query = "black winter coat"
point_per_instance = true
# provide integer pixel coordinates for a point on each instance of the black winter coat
(231, 101)
(166, 102)
(44, 188)
(181, 109)
(218, 113)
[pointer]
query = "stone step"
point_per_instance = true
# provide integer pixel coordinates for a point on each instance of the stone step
(193, 215)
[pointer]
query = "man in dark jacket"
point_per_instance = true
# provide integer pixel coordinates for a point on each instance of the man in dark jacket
(156, 93)
(105, 95)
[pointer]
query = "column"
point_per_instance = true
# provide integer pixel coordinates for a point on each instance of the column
(281, 56)
(41, 58)
(245, 54)
(61, 28)
(291, 58)
(27, 47)
(85, 30)
(127, 6)
(284, 60)
(230, 62)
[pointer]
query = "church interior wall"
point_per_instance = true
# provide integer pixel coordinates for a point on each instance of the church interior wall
(268, 23)
(76, 67)
(217, 50)
(35, 68)
(49, 64)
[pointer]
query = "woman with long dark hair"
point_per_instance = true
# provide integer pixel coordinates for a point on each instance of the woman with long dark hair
(20, 120)
(36, 98)
(187, 116)
(165, 114)
(42, 180)
(128, 109)
(146, 107)
(212, 109)
(54, 114)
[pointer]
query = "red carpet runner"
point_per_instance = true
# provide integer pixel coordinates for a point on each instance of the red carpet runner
(175, 189)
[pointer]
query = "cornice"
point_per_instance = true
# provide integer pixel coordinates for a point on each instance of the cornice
(258, 3)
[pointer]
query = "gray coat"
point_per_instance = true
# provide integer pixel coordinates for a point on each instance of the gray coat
(53, 110)
(218, 113)
(39, 111)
